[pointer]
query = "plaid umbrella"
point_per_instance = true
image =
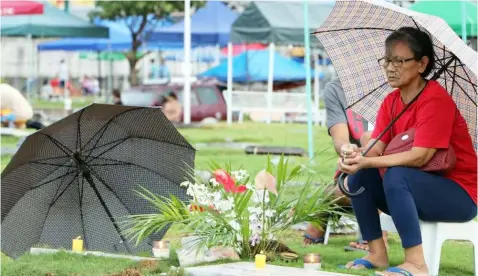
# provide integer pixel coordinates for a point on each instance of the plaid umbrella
(354, 36)
(77, 178)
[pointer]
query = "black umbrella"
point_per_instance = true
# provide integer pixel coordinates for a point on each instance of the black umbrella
(77, 178)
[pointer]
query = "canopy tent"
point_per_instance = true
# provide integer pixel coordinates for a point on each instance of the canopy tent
(253, 66)
(280, 23)
(210, 25)
(20, 8)
(451, 12)
(52, 23)
(119, 38)
(239, 48)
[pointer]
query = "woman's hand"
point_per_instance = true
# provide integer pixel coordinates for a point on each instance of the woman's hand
(349, 151)
(351, 165)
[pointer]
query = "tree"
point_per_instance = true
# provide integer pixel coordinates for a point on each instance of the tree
(141, 18)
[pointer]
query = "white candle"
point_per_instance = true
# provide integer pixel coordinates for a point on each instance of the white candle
(161, 249)
(312, 262)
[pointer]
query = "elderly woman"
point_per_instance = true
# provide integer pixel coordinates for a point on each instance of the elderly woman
(405, 192)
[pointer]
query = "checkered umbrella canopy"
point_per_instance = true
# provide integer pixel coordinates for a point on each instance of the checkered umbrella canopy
(354, 37)
(78, 177)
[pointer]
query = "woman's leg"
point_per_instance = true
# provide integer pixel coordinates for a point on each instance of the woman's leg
(365, 207)
(413, 194)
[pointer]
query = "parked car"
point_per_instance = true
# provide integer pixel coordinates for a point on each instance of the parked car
(207, 100)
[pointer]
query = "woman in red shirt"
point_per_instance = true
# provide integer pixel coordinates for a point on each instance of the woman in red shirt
(407, 193)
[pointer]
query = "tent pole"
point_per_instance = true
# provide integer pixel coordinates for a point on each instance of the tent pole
(463, 20)
(307, 80)
(187, 62)
(270, 82)
(110, 76)
(229, 83)
(316, 87)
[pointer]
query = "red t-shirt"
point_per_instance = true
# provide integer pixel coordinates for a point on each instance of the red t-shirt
(438, 124)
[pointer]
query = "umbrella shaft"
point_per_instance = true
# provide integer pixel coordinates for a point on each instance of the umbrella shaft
(89, 178)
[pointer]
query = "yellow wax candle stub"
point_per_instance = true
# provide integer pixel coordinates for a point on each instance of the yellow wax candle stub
(77, 245)
(260, 260)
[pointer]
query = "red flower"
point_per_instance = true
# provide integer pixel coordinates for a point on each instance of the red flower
(228, 182)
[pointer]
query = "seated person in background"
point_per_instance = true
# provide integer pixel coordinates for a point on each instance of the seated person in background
(407, 193)
(15, 109)
(172, 108)
(46, 91)
(117, 97)
(345, 127)
(86, 85)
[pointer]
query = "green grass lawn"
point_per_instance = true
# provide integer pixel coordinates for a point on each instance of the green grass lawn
(77, 102)
(456, 259)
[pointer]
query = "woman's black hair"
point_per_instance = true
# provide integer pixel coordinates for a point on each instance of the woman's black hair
(419, 42)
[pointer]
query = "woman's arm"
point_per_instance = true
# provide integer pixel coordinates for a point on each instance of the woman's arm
(416, 157)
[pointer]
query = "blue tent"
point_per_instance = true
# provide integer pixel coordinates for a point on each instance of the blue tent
(210, 25)
(253, 66)
(119, 38)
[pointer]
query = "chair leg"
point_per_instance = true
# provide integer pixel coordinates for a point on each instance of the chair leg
(475, 251)
(431, 247)
(327, 232)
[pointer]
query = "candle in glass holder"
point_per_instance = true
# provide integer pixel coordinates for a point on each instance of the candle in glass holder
(312, 261)
(260, 260)
(77, 245)
(161, 249)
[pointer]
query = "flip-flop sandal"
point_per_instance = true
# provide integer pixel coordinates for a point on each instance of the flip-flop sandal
(365, 263)
(314, 240)
(398, 270)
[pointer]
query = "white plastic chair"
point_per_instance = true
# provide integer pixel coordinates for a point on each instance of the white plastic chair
(434, 234)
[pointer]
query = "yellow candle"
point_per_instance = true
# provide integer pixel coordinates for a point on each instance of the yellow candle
(77, 245)
(260, 260)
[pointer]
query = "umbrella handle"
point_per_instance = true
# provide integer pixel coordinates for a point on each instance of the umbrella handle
(343, 189)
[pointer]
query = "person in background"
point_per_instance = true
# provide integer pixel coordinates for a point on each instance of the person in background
(63, 76)
(86, 85)
(15, 109)
(345, 127)
(172, 108)
(46, 91)
(117, 97)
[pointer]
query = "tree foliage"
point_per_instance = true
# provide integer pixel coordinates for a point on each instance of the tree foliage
(141, 18)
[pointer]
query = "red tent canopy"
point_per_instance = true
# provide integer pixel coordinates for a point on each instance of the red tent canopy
(20, 8)
(239, 48)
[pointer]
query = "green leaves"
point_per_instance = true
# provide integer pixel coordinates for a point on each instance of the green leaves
(235, 219)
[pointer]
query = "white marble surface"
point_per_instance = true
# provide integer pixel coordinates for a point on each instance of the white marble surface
(249, 269)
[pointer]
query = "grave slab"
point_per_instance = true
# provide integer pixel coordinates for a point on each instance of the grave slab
(249, 269)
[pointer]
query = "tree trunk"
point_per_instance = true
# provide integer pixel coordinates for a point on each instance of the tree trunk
(133, 74)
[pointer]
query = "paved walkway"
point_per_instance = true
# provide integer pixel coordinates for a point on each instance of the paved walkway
(248, 269)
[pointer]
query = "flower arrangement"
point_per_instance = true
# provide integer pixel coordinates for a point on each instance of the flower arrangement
(233, 209)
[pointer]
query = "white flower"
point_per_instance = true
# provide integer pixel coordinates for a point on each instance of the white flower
(270, 213)
(214, 182)
(231, 214)
(185, 184)
(259, 196)
(271, 237)
(235, 225)
(224, 205)
(239, 175)
(255, 210)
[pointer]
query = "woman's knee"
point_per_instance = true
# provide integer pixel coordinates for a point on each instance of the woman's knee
(362, 178)
(395, 175)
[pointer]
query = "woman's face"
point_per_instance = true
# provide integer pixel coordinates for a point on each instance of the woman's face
(401, 67)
